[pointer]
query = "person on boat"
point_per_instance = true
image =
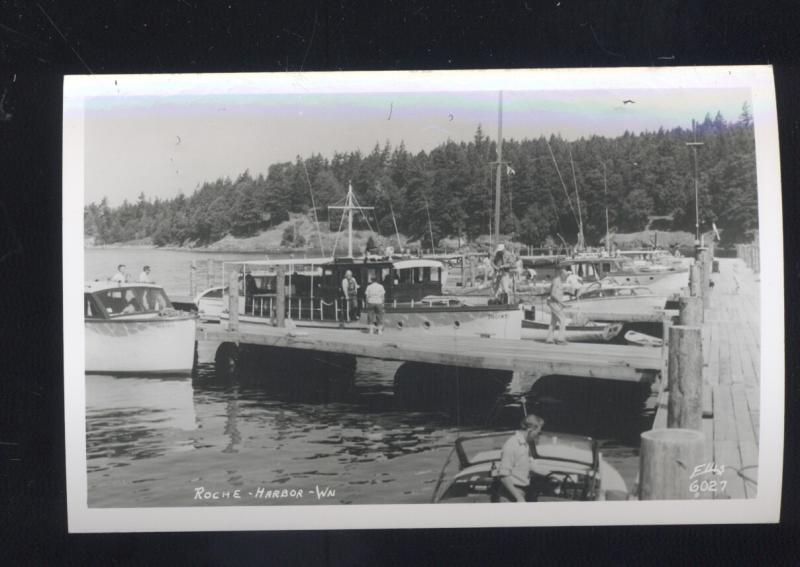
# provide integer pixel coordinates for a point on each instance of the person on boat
(555, 302)
(121, 276)
(350, 295)
(516, 462)
(133, 304)
(144, 277)
(249, 291)
(503, 263)
(376, 295)
(573, 283)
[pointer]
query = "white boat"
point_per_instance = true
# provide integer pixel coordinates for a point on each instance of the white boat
(589, 332)
(131, 328)
(616, 301)
(564, 467)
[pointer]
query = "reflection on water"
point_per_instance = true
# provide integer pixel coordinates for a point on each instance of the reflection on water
(156, 442)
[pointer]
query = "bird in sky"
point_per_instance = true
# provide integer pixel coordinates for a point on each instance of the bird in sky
(629, 101)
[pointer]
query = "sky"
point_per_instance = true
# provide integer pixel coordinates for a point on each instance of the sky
(165, 145)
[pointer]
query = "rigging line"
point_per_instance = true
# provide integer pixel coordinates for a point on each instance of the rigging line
(563, 185)
(338, 235)
(314, 206)
(361, 210)
(577, 196)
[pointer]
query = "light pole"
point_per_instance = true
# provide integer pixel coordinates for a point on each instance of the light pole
(605, 192)
(694, 145)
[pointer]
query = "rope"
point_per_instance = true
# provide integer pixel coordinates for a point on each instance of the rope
(566, 193)
(314, 206)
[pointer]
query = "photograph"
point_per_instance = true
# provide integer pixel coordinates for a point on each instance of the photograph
(414, 299)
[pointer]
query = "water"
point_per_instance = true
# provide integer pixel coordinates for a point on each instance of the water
(183, 441)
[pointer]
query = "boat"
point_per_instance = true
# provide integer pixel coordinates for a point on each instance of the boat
(564, 467)
(589, 332)
(414, 300)
(131, 328)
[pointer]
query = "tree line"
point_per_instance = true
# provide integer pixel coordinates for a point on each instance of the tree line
(449, 191)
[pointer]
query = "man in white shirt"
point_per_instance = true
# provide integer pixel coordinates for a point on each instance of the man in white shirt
(376, 295)
(121, 276)
(516, 462)
(144, 277)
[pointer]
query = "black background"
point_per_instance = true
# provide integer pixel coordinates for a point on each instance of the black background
(41, 41)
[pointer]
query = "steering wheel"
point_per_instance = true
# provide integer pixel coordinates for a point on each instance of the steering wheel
(561, 482)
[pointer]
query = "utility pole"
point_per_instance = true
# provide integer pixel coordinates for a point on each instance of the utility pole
(499, 171)
(694, 145)
(605, 192)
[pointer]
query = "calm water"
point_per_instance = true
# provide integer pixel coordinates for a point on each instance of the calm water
(157, 442)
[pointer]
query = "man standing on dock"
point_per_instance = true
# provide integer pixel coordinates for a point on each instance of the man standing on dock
(375, 297)
(516, 462)
(350, 294)
(556, 304)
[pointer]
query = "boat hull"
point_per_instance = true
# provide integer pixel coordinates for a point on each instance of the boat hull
(160, 345)
(488, 321)
(589, 333)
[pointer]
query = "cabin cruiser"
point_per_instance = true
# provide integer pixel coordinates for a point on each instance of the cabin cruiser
(132, 328)
(564, 467)
(414, 301)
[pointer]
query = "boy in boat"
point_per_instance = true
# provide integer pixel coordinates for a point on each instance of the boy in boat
(144, 277)
(350, 295)
(556, 305)
(516, 462)
(375, 297)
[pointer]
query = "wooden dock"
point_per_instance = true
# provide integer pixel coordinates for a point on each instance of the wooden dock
(529, 359)
(731, 378)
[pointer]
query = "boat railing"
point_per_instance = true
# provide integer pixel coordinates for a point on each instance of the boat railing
(318, 309)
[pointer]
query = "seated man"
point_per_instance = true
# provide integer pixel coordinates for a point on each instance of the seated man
(133, 304)
(516, 462)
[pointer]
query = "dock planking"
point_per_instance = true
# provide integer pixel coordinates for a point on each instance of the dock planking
(609, 362)
(731, 375)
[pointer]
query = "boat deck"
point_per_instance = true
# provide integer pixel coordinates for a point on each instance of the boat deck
(731, 378)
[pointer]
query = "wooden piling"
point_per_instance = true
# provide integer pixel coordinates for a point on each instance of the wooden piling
(695, 283)
(668, 458)
(685, 378)
(192, 270)
(233, 301)
(691, 311)
(280, 303)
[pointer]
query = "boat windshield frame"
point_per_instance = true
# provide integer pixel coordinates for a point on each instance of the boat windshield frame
(112, 302)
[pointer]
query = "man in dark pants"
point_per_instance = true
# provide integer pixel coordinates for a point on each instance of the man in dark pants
(516, 462)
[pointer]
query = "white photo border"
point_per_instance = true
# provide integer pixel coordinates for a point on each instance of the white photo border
(765, 508)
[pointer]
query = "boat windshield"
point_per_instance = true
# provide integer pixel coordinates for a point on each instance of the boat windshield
(129, 300)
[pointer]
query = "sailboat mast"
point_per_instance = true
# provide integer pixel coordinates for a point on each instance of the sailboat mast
(581, 242)
(349, 206)
(499, 171)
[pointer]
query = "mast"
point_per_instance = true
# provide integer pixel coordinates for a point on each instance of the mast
(581, 242)
(694, 145)
(350, 205)
(499, 171)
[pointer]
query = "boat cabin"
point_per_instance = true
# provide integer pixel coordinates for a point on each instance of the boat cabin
(107, 300)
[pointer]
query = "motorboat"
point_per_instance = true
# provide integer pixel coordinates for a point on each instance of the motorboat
(586, 332)
(414, 301)
(132, 328)
(564, 467)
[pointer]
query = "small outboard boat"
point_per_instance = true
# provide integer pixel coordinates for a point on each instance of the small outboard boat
(564, 467)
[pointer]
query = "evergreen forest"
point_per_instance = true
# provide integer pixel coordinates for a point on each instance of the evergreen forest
(449, 190)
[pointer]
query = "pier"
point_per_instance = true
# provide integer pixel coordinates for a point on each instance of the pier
(731, 358)
(528, 359)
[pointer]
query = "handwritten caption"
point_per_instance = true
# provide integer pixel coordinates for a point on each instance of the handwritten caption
(699, 484)
(263, 493)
